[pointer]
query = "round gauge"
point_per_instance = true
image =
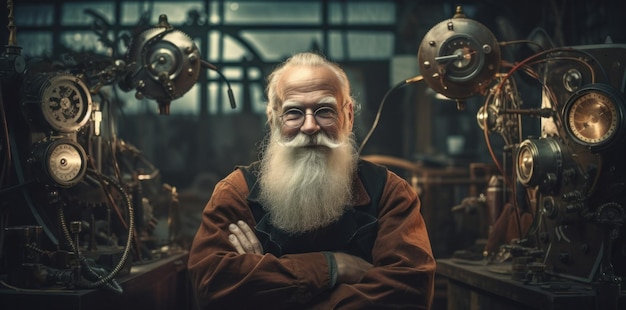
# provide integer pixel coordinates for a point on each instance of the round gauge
(462, 56)
(64, 100)
(594, 116)
(164, 58)
(165, 63)
(459, 57)
(63, 161)
(539, 162)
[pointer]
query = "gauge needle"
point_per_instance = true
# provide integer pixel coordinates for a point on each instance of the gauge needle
(456, 56)
(448, 58)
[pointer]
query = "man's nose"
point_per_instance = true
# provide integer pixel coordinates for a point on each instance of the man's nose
(310, 125)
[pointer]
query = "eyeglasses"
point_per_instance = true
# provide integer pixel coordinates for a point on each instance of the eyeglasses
(324, 116)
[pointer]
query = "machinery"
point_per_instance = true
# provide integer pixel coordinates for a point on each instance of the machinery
(571, 178)
(78, 204)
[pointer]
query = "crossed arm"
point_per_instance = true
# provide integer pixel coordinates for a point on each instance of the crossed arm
(223, 267)
(350, 268)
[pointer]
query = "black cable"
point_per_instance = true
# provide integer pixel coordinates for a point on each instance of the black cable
(382, 103)
(211, 66)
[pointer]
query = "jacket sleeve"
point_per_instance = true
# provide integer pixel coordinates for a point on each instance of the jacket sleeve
(223, 279)
(404, 266)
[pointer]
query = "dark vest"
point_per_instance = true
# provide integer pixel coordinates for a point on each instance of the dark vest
(354, 233)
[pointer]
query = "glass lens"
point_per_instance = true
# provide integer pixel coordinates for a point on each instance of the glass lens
(293, 118)
(324, 116)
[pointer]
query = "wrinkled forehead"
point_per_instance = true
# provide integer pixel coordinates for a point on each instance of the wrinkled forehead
(301, 79)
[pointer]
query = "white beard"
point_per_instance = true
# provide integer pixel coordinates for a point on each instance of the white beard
(307, 187)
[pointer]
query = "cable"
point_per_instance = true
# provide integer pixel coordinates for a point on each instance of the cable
(382, 103)
(211, 66)
(6, 163)
(92, 274)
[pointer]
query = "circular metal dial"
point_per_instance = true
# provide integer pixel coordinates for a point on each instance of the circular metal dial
(539, 162)
(63, 100)
(595, 116)
(66, 103)
(462, 56)
(165, 63)
(459, 57)
(164, 58)
(63, 161)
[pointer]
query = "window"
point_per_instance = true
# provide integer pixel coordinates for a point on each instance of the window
(228, 33)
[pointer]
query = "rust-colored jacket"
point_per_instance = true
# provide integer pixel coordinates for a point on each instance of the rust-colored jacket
(402, 277)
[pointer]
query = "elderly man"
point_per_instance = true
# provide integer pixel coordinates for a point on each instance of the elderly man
(310, 225)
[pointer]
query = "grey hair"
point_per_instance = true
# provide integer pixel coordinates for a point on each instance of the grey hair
(307, 59)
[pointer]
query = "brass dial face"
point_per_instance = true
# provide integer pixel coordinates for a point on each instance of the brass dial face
(459, 57)
(64, 162)
(65, 102)
(594, 117)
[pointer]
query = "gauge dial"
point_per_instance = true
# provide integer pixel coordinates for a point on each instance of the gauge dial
(462, 56)
(459, 57)
(63, 161)
(65, 104)
(165, 63)
(595, 117)
(63, 101)
(164, 58)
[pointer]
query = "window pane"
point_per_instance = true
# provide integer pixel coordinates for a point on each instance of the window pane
(83, 41)
(218, 98)
(75, 13)
(132, 12)
(254, 74)
(363, 13)
(131, 105)
(233, 50)
(177, 12)
(231, 73)
(215, 17)
(362, 45)
(31, 15)
(35, 44)
(272, 12)
(276, 45)
(257, 93)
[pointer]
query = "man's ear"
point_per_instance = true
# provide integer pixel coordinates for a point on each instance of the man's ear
(270, 116)
(349, 114)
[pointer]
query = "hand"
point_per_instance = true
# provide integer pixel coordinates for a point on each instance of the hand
(244, 239)
(350, 268)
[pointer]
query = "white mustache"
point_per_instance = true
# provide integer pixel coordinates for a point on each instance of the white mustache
(319, 139)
